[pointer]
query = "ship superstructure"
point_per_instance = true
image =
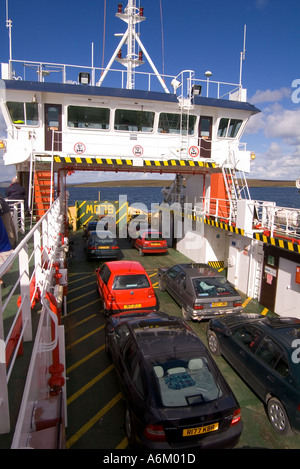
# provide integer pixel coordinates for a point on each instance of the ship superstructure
(179, 125)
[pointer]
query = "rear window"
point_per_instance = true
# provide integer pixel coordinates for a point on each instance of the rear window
(95, 239)
(186, 382)
(153, 237)
(213, 286)
(125, 282)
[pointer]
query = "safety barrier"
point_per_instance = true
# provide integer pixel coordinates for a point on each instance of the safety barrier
(33, 267)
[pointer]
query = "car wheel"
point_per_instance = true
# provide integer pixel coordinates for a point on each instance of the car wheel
(185, 314)
(161, 285)
(129, 431)
(213, 343)
(141, 252)
(278, 416)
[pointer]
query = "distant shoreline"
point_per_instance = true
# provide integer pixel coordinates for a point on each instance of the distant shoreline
(166, 183)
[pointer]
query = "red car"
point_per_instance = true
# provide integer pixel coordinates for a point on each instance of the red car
(150, 242)
(125, 286)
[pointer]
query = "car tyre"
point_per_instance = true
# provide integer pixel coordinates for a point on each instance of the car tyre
(278, 416)
(161, 285)
(213, 343)
(141, 252)
(129, 431)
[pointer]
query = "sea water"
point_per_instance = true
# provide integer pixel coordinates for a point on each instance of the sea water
(283, 196)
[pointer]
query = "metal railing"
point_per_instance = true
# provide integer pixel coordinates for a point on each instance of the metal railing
(30, 269)
(267, 217)
(68, 73)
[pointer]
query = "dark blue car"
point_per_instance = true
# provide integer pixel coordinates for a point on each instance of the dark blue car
(176, 397)
(265, 351)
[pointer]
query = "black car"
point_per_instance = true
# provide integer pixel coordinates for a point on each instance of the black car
(201, 291)
(175, 395)
(263, 350)
(101, 244)
(91, 226)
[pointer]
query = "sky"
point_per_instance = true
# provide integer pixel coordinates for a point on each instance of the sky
(182, 35)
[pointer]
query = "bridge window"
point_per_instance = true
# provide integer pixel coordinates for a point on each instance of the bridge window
(176, 123)
(23, 113)
(84, 117)
(229, 127)
(134, 121)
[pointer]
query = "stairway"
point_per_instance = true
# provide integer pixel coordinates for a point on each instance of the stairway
(236, 186)
(42, 193)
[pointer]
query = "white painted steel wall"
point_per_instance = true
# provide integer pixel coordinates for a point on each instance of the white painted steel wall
(288, 291)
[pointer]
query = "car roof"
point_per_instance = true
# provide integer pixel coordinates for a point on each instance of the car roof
(102, 233)
(125, 267)
(285, 329)
(194, 270)
(159, 334)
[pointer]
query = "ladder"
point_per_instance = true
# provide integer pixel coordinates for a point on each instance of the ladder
(43, 193)
(41, 187)
(236, 186)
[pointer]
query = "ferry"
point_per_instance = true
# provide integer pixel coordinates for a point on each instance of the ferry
(189, 128)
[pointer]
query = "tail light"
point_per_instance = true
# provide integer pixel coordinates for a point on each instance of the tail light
(155, 433)
(114, 247)
(92, 248)
(237, 303)
(236, 417)
(151, 293)
(195, 306)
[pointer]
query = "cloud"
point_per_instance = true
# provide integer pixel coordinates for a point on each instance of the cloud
(277, 163)
(270, 96)
(284, 124)
(260, 4)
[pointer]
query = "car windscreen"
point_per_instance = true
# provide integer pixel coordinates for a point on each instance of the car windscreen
(212, 286)
(126, 282)
(185, 382)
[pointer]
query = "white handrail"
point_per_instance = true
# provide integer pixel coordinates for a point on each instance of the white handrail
(28, 257)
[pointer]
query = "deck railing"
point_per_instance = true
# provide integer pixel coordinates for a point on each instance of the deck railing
(263, 216)
(30, 273)
(68, 73)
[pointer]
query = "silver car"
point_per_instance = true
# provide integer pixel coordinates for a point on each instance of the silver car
(201, 291)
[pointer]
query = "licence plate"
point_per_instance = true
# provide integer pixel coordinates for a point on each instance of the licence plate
(199, 430)
(216, 305)
(103, 247)
(132, 306)
(155, 244)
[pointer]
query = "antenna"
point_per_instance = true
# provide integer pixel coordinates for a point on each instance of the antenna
(9, 26)
(131, 15)
(242, 56)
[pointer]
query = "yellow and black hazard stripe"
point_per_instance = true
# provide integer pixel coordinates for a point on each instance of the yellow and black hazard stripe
(216, 264)
(277, 242)
(92, 160)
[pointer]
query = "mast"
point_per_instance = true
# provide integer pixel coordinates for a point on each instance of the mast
(132, 16)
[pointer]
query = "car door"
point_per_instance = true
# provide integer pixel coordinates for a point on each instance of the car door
(102, 281)
(239, 346)
(267, 369)
(180, 289)
(170, 281)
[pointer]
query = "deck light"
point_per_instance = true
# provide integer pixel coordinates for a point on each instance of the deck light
(84, 78)
(175, 83)
(196, 90)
